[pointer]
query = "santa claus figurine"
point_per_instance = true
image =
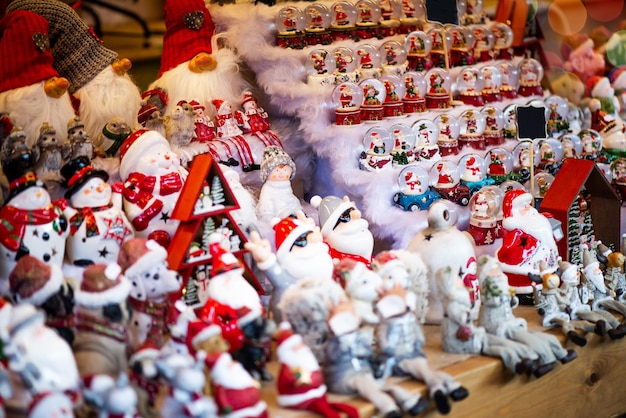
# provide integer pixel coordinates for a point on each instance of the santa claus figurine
(527, 241)
(277, 198)
(256, 116)
(227, 124)
(300, 382)
(153, 179)
(30, 223)
(344, 230)
(235, 392)
(99, 82)
(98, 225)
(31, 91)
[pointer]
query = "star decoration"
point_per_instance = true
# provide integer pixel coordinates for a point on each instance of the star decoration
(53, 251)
(303, 376)
(116, 229)
(165, 216)
(428, 237)
(103, 252)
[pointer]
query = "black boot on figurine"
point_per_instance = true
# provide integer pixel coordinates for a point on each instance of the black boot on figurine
(617, 333)
(441, 400)
(459, 394)
(571, 355)
(543, 369)
(419, 407)
(600, 328)
(576, 338)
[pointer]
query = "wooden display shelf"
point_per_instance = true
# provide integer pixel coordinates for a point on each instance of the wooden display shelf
(593, 385)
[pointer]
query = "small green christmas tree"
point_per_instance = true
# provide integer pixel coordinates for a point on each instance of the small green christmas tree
(190, 295)
(217, 191)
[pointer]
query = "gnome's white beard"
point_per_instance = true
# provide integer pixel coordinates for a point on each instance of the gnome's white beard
(310, 261)
(246, 214)
(224, 82)
(295, 354)
(29, 107)
(534, 224)
(107, 96)
(352, 237)
(231, 374)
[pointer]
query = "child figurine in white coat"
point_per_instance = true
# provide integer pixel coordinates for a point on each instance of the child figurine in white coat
(277, 198)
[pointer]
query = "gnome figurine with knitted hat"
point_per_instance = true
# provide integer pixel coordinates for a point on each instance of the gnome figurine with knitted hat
(344, 230)
(300, 383)
(30, 223)
(31, 90)
(277, 198)
(43, 285)
(98, 80)
(153, 180)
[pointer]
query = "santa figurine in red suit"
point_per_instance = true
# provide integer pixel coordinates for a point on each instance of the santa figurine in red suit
(227, 121)
(31, 91)
(153, 179)
(344, 230)
(528, 240)
(256, 116)
(300, 381)
(235, 392)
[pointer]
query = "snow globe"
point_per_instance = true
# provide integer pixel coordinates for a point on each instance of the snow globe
(510, 80)
(413, 16)
(591, 141)
(415, 192)
(572, 145)
(414, 91)
(498, 193)
(417, 45)
(462, 46)
(483, 44)
(404, 139)
(556, 115)
(368, 19)
(503, 39)
(449, 130)
(469, 84)
(550, 155)
(541, 183)
(368, 61)
(510, 121)
(473, 172)
(320, 66)
(472, 123)
(393, 57)
(393, 106)
(378, 144)
(343, 21)
(499, 164)
(347, 99)
(290, 28)
(391, 12)
(471, 12)
(530, 75)
(446, 179)
(438, 89)
(426, 133)
(316, 28)
(524, 159)
(345, 65)
(509, 185)
(374, 95)
(492, 82)
(437, 51)
(494, 124)
(483, 225)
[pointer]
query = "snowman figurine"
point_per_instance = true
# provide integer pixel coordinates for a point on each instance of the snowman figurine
(98, 224)
(153, 179)
(30, 223)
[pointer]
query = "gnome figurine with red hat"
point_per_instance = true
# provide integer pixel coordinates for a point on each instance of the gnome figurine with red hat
(300, 383)
(30, 223)
(98, 224)
(31, 90)
(528, 240)
(153, 179)
(98, 78)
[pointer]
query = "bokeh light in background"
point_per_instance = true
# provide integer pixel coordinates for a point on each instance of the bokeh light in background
(604, 10)
(616, 48)
(567, 17)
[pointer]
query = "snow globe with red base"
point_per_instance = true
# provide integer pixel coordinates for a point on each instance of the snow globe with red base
(484, 208)
(494, 124)
(469, 84)
(377, 144)
(530, 75)
(492, 81)
(320, 67)
(510, 80)
(426, 134)
(345, 65)
(374, 94)
(461, 51)
(368, 19)
(417, 45)
(414, 91)
(438, 89)
(499, 164)
(437, 50)
(483, 43)
(290, 28)
(472, 124)
(393, 106)
(347, 99)
(524, 159)
(503, 39)
(403, 151)
(449, 130)
(317, 26)
(343, 21)
(390, 12)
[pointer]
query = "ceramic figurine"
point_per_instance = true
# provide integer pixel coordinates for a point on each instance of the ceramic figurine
(153, 180)
(528, 240)
(368, 19)
(600, 297)
(102, 317)
(150, 117)
(462, 46)
(503, 39)
(415, 193)
(483, 44)
(316, 28)
(235, 392)
(227, 127)
(449, 131)
(418, 44)
(483, 217)
(415, 88)
(345, 65)
(399, 337)
(492, 82)
(348, 369)
(299, 250)
(581, 57)
(31, 222)
(460, 335)
(394, 92)
(343, 21)
(58, 404)
(98, 225)
(592, 144)
(427, 134)
(300, 382)
(14, 145)
(369, 62)
(79, 140)
(377, 154)
(610, 129)
(550, 155)
(473, 172)
(613, 272)
(510, 80)
(290, 24)
(447, 182)
(347, 98)
(374, 94)
(618, 82)
(343, 228)
(256, 118)
(510, 122)
(319, 68)
(50, 154)
(438, 93)
(430, 245)
(472, 130)
(499, 165)
(470, 83)
(180, 131)
(403, 152)
(113, 134)
(574, 118)
(361, 285)
(394, 58)
(530, 76)
(277, 198)
(618, 178)
(494, 124)
(112, 397)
